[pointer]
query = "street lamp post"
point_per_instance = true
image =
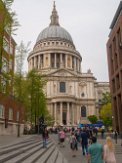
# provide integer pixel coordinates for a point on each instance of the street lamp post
(18, 128)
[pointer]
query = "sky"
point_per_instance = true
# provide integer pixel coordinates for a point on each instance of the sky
(87, 21)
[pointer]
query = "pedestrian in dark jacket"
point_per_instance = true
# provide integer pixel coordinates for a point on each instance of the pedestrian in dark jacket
(45, 137)
(84, 142)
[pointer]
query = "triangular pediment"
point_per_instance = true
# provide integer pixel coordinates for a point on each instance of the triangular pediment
(62, 72)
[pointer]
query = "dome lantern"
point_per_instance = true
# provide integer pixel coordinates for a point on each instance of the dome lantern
(54, 17)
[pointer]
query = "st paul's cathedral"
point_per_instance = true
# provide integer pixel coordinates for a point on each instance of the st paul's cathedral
(71, 94)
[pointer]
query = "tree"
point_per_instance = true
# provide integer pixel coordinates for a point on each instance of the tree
(36, 83)
(106, 98)
(92, 118)
(5, 20)
(21, 53)
(105, 110)
(8, 24)
(106, 114)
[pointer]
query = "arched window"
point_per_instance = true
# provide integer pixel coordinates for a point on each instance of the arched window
(83, 111)
(2, 111)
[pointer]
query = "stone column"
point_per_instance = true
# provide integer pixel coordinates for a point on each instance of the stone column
(61, 62)
(72, 113)
(55, 60)
(33, 62)
(78, 65)
(68, 118)
(66, 61)
(55, 114)
(78, 115)
(75, 63)
(42, 63)
(38, 61)
(49, 56)
(51, 109)
(30, 66)
(61, 113)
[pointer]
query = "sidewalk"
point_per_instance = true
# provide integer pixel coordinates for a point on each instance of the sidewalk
(11, 139)
(66, 151)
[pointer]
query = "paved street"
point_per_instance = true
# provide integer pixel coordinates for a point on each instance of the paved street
(28, 149)
(79, 157)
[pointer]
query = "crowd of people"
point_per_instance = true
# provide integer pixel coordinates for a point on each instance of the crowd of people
(87, 139)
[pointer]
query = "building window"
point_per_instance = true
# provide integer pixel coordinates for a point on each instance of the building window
(2, 111)
(114, 43)
(3, 85)
(6, 45)
(11, 49)
(62, 87)
(10, 114)
(11, 64)
(119, 38)
(4, 65)
(17, 116)
(83, 111)
(82, 94)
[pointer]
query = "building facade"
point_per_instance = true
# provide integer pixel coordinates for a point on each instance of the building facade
(11, 113)
(71, 94)
(11, 116)
(114, 53)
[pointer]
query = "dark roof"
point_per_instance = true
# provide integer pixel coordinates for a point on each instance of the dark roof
(116, 15)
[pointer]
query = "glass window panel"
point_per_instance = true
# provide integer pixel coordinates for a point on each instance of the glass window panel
(2, 111)
(62, 87)
(10, 114)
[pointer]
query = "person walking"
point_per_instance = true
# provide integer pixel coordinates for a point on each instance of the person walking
(73, 144)
(115, 136)
(45, 137)
(109, 155)
(62, 137)
(95, 152)
(84, 142)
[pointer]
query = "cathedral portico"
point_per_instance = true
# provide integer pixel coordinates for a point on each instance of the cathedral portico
(63, 113)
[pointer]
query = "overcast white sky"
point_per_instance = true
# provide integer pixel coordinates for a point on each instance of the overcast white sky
(87, 21)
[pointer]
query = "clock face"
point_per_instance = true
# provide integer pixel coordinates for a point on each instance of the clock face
(62, 87)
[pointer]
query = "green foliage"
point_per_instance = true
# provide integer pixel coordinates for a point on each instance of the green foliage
(106, 114)
(92, 118)
(29, 91)
(38, 105)
(106, 98)
(8, 23)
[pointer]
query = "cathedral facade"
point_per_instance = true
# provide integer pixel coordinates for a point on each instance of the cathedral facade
(71, 94)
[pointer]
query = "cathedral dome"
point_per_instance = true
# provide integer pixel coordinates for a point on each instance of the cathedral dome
(54, 31)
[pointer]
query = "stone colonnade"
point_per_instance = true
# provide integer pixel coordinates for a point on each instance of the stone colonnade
(54, 60)
(65, 113)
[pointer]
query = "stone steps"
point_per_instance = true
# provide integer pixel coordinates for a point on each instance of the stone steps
(31, 151)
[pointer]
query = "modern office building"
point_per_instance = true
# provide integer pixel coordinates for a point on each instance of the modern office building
(71, 94)
(114, 53)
